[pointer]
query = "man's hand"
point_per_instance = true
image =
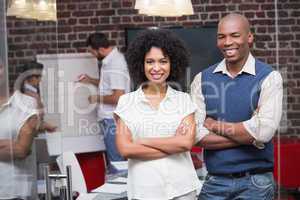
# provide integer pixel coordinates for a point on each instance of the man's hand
(94, 99)
(217, 127)
(209, 123)
(84, 78)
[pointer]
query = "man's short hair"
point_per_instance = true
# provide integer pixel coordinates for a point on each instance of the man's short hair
(97, 40)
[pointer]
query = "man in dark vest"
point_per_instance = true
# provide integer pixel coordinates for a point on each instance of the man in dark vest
(239, 109)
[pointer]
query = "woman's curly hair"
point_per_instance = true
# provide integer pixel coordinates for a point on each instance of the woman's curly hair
(172, 46)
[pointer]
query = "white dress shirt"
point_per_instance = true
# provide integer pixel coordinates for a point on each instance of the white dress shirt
(16, 176)
(164, 178)
(114, 75)
(266, 119)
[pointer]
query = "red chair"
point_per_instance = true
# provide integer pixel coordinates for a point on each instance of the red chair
(287, 162)
(93, 168)
(198, 163)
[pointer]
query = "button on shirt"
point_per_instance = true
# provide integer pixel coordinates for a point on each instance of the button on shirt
(164, 178)
(114, 75)
(265, 121)
(17, 176)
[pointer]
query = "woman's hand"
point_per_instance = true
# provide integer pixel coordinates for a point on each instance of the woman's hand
(49, 127)
(46, 126)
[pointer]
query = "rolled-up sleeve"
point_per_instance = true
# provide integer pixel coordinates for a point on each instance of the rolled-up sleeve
(189, 106)
(200, 114)
(117, 79)
(265, 121)
(121, 108)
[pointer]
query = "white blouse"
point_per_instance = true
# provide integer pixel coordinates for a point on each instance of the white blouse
(164, 178)
(17, 176)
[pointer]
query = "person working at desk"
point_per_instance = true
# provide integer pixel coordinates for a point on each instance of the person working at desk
(21, 120)
(240, 102)
(114, 81)
(155, 123)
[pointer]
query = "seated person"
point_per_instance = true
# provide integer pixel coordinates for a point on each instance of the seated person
(21, 120)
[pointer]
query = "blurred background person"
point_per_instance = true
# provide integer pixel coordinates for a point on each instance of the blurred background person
(114, 82)
(21, 118)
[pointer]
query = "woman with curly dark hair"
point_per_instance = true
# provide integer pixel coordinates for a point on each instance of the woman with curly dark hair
(171, 46)
(155, 123)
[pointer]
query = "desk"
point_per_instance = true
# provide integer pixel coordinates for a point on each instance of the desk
(287, 162)
(99, 196)
(110, 196)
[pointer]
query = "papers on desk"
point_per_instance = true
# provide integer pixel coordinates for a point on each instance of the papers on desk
(120, 165)
(89, 196)
(119, 180)
(111, 188)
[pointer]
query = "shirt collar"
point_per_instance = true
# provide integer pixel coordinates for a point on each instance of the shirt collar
(171, 93)
(30, 88)
(249, 67)
(110, 56)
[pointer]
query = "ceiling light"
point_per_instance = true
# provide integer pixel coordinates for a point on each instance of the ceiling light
(164, 8)
(42, 10)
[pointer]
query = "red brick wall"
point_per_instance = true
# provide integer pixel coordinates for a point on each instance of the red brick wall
(78, 18)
